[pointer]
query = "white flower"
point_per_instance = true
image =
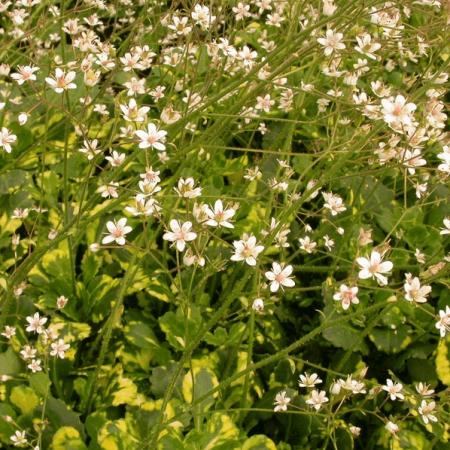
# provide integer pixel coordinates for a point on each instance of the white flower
(116, 159)
(331, 42)
(309, 381)
(414, 292)
(28, 352)
(366, 46)
(6, 139)
(36, 323)
(61, 301)
(246, 250)
(117, 231)
(374, 268)
(317, 399)
(61, 81)
(152, 138)
(329, 8)
(219, 217)
(258, 304)
(109, 190)
(18, 438)
(328, 242)
(133, 113)
(281, 401)
(35, 365)
(392, 427)
(143, 207)
(443, 324)
(425, 410)
(413, 159)
(334, 203)
(280, 276)
(201, 16)
(22, 118)
(424, 389)
(355, 386)
(59, 348)
(180, 234)
(90, 149)
(446, 229)
(307, 244)
(24, 73)
(445, 158)
(186, 188)
(347, 296)
(394, 390)
(9, 332)
(397, 111)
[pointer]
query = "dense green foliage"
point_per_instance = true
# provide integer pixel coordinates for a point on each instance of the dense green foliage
(224, 225)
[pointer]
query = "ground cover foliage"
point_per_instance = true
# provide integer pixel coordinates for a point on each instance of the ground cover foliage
(224, 225)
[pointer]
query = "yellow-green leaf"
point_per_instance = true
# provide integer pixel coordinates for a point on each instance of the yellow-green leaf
(24, 398)
(259, 442)
(67, 438)
(443, 361)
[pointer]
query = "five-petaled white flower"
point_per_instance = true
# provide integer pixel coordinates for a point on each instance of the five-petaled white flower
(18, 438)
(374, 268)
(247, 250)
(446, 229)
(397, 111)
(280, 276)
(6, 139)
(394, 390)
(334, 203)
(317, 399)
(62, 81)
(309, 381)
(443, 324)
(281, 401)
(331, 42)
(180, 234)
(117, 231)
(59, 348)
(35, 365)
(152, 138)
(425, 410)
(186, 188)
(347, 296)
(219, 217)
(24, 73)
(366, 46)
(132, 113)
(36, 323)
(414, 292)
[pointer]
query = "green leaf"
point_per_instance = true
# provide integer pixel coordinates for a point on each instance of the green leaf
(60, 415)
(179, 329)
(443, 360)
(141, 335)
(125, 393)
(220, 433)
(40, 382)
(346, 337)
(116, 435)
(67, 438)
(12, 179)
(259, 442)
(24, 398)
(204, 381)
(390, 340)
(10, 364)
(218, 338)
